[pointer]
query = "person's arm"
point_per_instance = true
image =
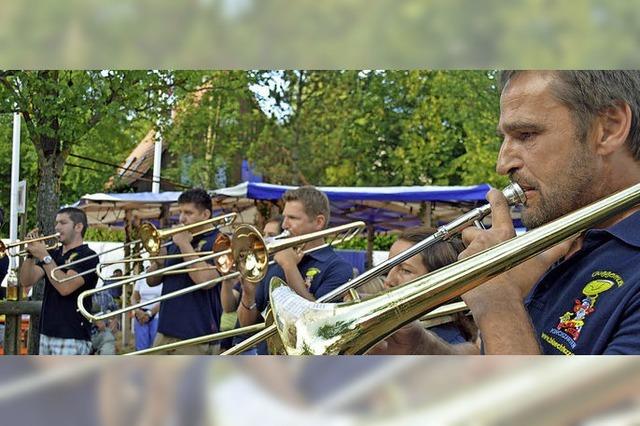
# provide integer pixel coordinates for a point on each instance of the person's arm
(139, 313)
(208, 273)
(135, 296)
(69, 284)
(498, 305)
(288, 260)
(413, 339)
(155, 309)
(155, 280)
(230, 297)
(30, 273)
(247, 310)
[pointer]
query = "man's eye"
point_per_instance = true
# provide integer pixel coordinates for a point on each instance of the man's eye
(525, 136)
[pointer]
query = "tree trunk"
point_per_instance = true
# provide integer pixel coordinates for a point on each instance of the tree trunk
(48, 198)
(50, 164)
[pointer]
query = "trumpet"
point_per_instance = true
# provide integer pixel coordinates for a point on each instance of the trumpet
(248, 244)
(353, 328)
(152, 237)
(514, 195)
(5, 249)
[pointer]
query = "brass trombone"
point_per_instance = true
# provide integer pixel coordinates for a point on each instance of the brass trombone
(98, 270)
(5, 249)
(223, 263)
(514, 195)
(353, 328)
(352, 230)
(512, 192)
(152, 237)
(246, 243)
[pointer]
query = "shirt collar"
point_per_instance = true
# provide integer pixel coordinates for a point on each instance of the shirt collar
(207, 234)
(321, 255)
(627, 230)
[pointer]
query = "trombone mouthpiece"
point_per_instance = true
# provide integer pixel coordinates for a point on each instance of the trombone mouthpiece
(514, 194)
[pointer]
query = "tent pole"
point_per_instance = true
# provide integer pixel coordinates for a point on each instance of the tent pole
(427, 217)
(371, 234)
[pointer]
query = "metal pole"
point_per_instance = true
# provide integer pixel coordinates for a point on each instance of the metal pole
(13, 322)
(15, 177)
(157, 163)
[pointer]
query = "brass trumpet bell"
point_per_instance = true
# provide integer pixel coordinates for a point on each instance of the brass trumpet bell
(5, 249)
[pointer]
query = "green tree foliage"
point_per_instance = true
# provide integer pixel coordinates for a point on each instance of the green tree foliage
(381, 128)
(215, 121)
(75, 111)
(360, 128)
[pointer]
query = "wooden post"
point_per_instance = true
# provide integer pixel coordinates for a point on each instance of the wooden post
(371, 234)
(27, 307)
(13, 311)
(427, 217)
(11, 334)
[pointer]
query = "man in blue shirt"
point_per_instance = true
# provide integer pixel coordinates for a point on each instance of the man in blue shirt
(569, 138)
(196, 313)
(312, 275)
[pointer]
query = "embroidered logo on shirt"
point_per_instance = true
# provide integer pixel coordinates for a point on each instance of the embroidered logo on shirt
(571, 322)
(200, 245)
(311, 272)
(71, 257)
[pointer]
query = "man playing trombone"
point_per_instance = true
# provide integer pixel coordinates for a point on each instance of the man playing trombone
(63, 330)
(569, 138)
(197, 313)
(310, 275)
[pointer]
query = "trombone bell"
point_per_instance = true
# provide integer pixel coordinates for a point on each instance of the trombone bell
(224, 263)
(250, 252)
(151, 238)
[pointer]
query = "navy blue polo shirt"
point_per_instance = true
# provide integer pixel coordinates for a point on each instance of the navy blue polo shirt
(59, 316)
(323, 271)
(590, 303)
(193, 314)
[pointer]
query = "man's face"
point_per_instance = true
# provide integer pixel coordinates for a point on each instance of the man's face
(190, 214)
(541, 151)
(66, 228)
(296, 220)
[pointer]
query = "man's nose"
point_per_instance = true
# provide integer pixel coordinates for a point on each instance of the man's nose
(509, 159)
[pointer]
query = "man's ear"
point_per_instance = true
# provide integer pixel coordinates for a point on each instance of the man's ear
(321, 221)
(613, 126)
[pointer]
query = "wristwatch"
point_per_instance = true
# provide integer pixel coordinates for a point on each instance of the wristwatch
(45, 261)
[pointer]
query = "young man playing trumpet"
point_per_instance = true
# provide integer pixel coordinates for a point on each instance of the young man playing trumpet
(63, 331)
(197, 313)
(312, 275)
